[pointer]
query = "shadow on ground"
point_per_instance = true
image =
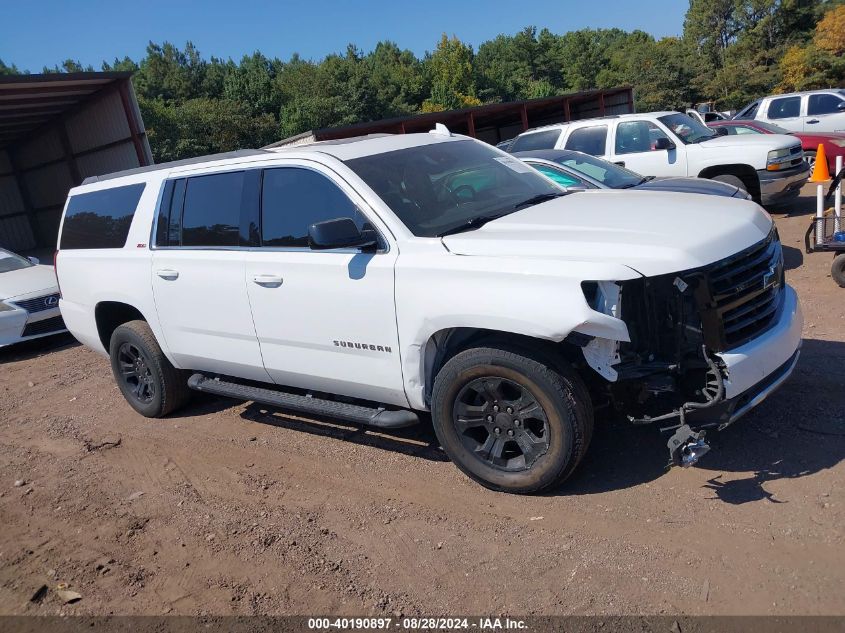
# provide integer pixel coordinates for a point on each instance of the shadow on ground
(36, 347)
(783, 438)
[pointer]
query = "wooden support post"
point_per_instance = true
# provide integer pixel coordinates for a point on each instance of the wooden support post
(601, 104)
(471, 124)
(566, 110)
(524, 113)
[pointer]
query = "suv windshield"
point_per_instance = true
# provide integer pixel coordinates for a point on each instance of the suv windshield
(10, 261)
(438, 188)
(686, 128)
(605, 172)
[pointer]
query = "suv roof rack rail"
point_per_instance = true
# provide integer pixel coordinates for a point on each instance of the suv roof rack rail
(197, 160)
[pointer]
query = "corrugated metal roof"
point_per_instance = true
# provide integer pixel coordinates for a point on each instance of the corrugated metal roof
(29, 102)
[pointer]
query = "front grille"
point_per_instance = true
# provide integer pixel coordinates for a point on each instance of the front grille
(39, 304)
(53, 324)
(745, 292)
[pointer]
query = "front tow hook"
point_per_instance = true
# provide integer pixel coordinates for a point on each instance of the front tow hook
(686, 447)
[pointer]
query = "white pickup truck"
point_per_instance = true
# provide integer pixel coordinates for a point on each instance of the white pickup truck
(769, 167)
(381, 280)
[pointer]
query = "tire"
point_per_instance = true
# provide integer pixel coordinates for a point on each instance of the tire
(149, 382)
(732, 180)
(837, 270)
(556, 424)
(810, 158)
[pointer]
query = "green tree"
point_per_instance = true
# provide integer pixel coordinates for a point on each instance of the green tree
(449, 70)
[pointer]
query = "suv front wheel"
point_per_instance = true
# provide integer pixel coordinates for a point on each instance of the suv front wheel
(148, 381)
(510, 422)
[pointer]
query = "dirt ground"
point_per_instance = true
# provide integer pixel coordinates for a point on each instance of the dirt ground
(226, 508)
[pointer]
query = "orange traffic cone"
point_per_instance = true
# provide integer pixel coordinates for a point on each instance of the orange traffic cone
(820, 172)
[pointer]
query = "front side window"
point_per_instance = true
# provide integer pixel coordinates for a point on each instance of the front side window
(294, 198)
(749, 112)
(785, 108)
(212, 210)
(100, 219)
(535, 140)
(557, 175)
(686, 128)
(637, 136)
(439, 187)
(824, 104)
(10, 261)
(603, 171)
(590, 140)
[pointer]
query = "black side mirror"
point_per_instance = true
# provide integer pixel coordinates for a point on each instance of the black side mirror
(721, 131)
(663, 143)
(339, 233)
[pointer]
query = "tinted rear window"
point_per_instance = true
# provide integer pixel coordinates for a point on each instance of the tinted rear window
(535, 140)
(100, 219)
(212, 210)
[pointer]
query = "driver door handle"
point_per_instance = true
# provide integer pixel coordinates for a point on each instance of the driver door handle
(168, 274)
(268, 281)
(813, 121)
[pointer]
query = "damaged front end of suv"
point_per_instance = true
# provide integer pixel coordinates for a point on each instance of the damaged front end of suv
(672, 370)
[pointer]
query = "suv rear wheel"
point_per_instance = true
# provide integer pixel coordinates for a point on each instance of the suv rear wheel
(510, 422)
(149, 382)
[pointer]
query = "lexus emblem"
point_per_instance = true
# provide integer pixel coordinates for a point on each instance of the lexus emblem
(51, 302)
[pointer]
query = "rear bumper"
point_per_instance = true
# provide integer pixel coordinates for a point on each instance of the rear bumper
(758, 368)
(782, 186)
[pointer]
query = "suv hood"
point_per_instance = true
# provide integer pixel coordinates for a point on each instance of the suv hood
(27, 280)
(651, 232)
(762, 141)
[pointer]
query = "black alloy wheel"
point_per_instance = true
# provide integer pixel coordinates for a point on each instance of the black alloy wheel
(136, 373)
(501, 423)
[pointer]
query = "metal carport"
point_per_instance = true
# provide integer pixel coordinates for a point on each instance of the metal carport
(55, 130)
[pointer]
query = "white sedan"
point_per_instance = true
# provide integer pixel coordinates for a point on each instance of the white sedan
(29, 299)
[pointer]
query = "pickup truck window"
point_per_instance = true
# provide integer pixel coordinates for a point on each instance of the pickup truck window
(686, 128)
(294, 198)
(100, 219)
(212, 211)
(438, 187)
(824, 104)
(785, 108)
(749, 112)
(590, 140)
(535, 140)
(637, 136)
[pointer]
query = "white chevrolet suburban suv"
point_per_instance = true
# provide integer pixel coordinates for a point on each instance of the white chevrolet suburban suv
(769, 167)
(379, 280)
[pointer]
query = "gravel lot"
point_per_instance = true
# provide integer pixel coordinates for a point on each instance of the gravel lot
(228, 508)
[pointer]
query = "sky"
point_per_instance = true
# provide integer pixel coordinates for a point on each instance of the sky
(38, 33)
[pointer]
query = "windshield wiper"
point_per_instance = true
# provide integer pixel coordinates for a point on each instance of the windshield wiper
(473, 223)
(543, 197)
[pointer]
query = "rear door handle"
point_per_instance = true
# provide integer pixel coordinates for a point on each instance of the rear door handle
(168, 274)
(813, 121)
(621, 163)
(268, 281)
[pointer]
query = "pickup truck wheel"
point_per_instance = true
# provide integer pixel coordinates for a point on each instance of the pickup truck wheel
(732, 180)
(837, 270)
(510, 422)
(149, 382)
